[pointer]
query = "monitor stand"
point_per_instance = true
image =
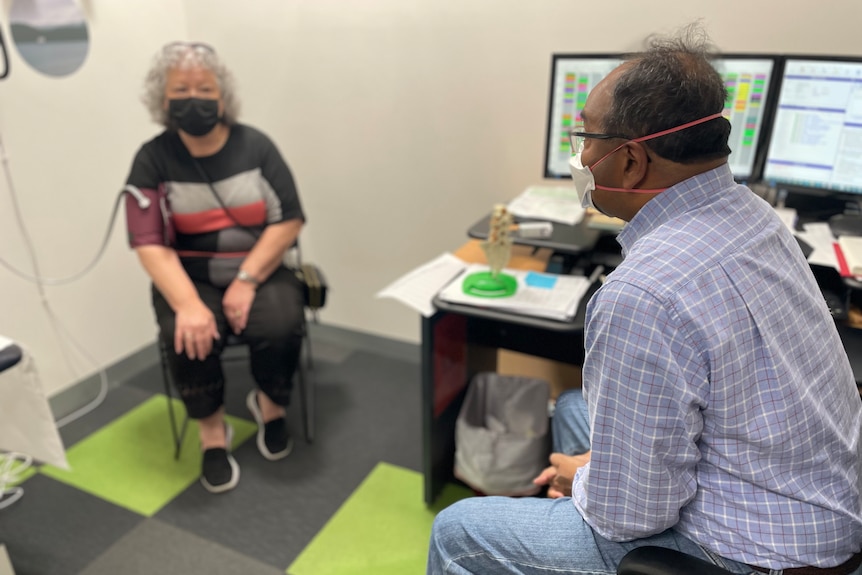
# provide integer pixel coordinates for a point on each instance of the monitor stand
(846, 225)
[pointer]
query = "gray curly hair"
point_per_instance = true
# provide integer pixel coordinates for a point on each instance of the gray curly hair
(187, 55)
(671, 83)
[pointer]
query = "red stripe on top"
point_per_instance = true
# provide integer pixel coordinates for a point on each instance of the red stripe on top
(217, 219)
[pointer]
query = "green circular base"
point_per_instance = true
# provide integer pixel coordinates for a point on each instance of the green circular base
(483, 284)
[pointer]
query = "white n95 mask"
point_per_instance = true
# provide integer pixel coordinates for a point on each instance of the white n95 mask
(582, 178)
(585, 182)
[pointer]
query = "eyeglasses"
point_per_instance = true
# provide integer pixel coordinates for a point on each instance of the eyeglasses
(191, 45)
(577, 138)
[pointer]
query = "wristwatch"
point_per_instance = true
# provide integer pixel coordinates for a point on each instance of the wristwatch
(244, 276)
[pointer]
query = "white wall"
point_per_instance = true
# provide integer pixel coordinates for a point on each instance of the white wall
(406, 121)
(403, 122)
(70, 143)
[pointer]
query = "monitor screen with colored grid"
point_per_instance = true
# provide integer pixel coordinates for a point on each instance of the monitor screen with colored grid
(748, 79)
(572, 78)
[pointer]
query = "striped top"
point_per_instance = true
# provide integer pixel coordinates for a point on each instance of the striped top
(721, 400)
(251, 179)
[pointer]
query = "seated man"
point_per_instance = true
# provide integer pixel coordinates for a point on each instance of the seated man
(719, 413)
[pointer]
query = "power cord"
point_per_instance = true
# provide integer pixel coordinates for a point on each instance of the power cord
(12, 468)
(41, 282)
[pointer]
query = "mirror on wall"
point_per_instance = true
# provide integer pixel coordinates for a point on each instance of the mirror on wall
(50, 35)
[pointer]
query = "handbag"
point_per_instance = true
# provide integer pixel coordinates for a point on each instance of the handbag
(314, 286)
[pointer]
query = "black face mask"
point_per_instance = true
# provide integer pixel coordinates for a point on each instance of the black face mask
(195, 116)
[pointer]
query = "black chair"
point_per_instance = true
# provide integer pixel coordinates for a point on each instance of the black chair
(304, 378)
(651, 560)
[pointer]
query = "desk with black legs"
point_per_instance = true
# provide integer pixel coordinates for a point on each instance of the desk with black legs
(459, 341)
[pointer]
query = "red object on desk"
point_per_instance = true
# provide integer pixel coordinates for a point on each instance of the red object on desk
(843, 268)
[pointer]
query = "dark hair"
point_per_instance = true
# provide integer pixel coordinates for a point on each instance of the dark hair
(669, 84)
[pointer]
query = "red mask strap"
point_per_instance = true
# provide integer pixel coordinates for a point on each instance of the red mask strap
(650, 137)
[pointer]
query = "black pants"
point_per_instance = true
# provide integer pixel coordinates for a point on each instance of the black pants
(273, 334)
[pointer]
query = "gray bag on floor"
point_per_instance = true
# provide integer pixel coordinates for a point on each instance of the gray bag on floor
(501, 434)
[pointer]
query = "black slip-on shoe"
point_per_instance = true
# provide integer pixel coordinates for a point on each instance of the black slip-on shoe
(273, 438)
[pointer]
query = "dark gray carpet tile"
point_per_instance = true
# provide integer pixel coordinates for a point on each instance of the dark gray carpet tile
(277, 508)
(149, 379)
(367, 411)
(155, 547)
(378, 409)
(117, 402)
(330, 352)
(56, 529)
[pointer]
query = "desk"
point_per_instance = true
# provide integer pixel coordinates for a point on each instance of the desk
(461, 341)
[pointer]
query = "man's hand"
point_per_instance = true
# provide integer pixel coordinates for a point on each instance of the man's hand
(560, 474)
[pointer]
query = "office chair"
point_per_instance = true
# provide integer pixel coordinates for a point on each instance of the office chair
(651, 560)
(293, 260)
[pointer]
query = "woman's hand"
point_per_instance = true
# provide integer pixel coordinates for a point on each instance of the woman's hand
(561, 473)
(195, 329)
(237, 303)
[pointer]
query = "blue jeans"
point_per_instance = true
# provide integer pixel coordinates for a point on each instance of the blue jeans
(539, 536)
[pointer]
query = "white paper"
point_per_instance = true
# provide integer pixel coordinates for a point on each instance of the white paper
(559, 302)
(417, 288)
(819, 236)
(5, 342)
(556, 204)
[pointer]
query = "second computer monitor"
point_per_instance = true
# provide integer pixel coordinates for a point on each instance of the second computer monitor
(748, 80)
(817, 132)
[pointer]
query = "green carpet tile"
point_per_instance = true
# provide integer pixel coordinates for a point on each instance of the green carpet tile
(130, 462)
(383, 528)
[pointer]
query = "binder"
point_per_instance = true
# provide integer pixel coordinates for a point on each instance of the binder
(849, 252)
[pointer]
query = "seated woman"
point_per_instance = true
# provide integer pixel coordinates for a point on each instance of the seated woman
(223, 211)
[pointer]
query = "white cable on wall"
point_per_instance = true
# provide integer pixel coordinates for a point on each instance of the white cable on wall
(60, 331)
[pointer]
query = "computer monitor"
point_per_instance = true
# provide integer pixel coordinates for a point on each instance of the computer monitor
(572, 78)
(748, 79)
(816, 140)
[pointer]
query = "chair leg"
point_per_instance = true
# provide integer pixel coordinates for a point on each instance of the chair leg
(309, 421)
(306, 403)
(312, 391)
(174, 431)
(181, 437)
(308, 355)
(306, 380)
(178, 435)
